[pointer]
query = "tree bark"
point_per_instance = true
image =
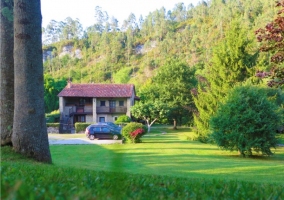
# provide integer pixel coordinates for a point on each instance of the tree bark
(6, 73)
(175, 124)
(29, 127)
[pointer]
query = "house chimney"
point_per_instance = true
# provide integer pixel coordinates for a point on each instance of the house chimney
(69, 83)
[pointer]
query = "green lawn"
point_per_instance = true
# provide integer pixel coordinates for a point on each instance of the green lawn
(170, 154)
(164, 166)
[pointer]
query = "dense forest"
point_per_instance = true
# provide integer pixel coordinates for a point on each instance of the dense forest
(187, 50)
(131, 53)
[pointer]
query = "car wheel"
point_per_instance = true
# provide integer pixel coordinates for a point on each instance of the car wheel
(115, 137)
(92, 137)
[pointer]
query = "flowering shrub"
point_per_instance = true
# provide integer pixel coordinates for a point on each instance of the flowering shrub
(136, 134)
(133, 131)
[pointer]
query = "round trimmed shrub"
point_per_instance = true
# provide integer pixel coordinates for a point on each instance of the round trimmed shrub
(123, 119)
(133, 132)
(246, 121)
(81, 127)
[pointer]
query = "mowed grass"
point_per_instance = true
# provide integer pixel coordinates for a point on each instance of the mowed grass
(167, 152)
(164, 166)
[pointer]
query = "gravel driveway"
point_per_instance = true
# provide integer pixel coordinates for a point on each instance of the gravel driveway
(60, 141)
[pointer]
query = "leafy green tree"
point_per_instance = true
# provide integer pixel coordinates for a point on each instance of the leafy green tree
(101, 19)
(114, 24)
(173, 83)
(52, 87)
(63, 30)
(246, 121)
(71, 29)
(179, 12)
(150, 112)
(52, 32)
(123, 119)
(122, 76)
(231, 64)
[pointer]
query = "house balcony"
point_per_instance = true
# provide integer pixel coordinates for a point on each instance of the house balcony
(80, 110)
(110, 110)
(88, 110)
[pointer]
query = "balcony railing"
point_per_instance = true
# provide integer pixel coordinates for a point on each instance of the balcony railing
(80, 110)
(105, 109)
(77, 110)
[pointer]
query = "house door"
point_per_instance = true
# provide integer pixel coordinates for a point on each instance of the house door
(102, 119)
(112, 106)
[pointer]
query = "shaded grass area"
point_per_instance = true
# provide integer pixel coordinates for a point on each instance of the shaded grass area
(164, 166)
(26, 179)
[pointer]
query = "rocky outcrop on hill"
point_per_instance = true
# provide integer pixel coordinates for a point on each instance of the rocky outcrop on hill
(66, 50)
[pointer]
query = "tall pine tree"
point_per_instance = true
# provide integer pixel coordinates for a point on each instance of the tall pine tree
(231, 64)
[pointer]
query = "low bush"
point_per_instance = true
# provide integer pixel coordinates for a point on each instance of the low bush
(79, 126)
(133, 132)
(123, 119)
(55, 125)
(52, 117)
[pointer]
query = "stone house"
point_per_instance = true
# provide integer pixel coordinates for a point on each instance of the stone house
(95, 102)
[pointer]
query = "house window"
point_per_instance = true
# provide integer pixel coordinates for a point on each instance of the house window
(82, 101)
(112, 104)
(102, 119)
(121, 103)
(103, 103)
(81, 118)
(88, 100)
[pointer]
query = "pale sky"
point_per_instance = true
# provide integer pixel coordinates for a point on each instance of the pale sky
(84, 10)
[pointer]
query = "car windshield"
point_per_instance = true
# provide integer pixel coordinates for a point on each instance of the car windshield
(111, 124)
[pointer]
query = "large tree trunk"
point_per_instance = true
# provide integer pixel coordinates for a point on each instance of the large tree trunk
(6, 72)
(29, 128)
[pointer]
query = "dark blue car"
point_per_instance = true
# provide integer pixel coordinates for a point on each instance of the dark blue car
(101, 131)
(111, 125)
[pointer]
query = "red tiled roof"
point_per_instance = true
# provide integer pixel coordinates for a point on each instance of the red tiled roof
(97, 90)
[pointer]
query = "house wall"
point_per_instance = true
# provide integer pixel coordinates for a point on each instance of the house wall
(61, 105)
(89, 118)
(94, 109)
(128, 104)
(110, 117)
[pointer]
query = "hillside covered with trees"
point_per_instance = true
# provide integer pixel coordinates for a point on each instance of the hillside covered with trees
(132, 53)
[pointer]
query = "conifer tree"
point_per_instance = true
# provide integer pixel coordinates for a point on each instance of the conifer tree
(231, 64)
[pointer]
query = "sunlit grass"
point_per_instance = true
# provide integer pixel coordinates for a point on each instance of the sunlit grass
(165, 151)
(164, 166)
